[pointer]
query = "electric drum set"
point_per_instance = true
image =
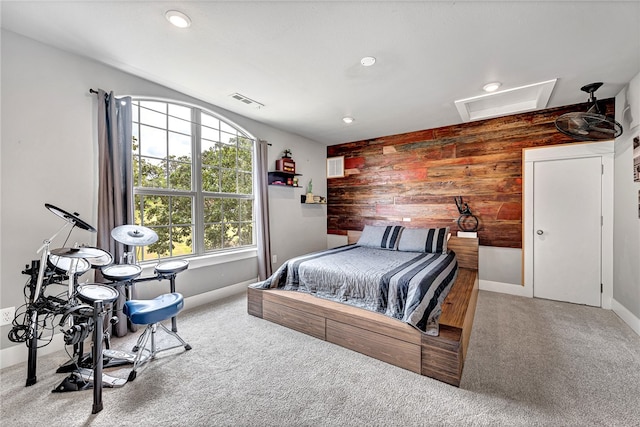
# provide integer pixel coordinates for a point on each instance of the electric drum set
(83, 307)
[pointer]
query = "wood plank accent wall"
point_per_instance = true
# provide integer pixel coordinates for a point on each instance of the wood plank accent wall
(417, 175)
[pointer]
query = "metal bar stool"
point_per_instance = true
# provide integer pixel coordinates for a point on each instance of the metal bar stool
(151, 313)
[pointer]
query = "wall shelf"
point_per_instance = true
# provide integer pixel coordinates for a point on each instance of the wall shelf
(303, 199)
(281, 178)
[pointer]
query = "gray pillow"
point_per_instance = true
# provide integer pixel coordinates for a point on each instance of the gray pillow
(380, 236)
(430, 240)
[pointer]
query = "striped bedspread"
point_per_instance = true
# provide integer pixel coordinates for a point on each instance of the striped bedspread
(407, 286)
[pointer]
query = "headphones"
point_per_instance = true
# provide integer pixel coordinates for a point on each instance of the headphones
(80, 331)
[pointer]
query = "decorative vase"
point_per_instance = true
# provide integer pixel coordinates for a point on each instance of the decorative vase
(309, 198)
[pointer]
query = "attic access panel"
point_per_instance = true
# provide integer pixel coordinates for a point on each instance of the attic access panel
(510, 101)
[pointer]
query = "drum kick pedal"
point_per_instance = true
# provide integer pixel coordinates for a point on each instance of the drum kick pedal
(82, 379)
(110, 359)
(118, 356)
(107, 380)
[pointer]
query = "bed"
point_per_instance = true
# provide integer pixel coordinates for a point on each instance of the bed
(432, 342)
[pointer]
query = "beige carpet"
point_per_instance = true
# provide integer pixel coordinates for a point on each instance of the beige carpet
(530, 362)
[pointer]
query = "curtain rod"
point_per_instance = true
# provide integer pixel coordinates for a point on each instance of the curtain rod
(91, 90)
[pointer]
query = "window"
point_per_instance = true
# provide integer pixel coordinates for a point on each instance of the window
(192, 180)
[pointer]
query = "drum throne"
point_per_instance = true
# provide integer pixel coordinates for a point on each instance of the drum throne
(151, 313)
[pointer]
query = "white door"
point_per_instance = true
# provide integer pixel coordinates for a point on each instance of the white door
(567, 221)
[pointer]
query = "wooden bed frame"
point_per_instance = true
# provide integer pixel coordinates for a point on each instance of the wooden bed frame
(382, 337)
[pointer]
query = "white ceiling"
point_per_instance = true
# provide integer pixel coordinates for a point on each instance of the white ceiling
(301, 59)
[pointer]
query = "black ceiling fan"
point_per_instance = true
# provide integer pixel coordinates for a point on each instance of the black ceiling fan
(592, 125)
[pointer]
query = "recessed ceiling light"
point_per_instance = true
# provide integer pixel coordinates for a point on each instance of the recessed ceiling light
(178, 19)
(491, 87)
(348, 120)
(368, 61)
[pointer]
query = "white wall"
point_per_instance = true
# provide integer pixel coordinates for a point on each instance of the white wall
(295, 227)
(498, 265)
(49, 155)
(626, 246)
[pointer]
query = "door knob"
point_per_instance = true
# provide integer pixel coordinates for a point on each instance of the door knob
(539, 232)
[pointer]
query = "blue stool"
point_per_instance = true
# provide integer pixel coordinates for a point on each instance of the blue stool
(151, 313)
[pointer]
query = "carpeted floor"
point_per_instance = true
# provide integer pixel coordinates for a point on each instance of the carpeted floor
(530, 362)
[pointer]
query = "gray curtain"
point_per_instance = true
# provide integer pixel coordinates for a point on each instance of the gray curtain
(115, 188)
(262, 216)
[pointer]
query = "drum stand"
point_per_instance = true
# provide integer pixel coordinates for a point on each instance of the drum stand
(98, 323)
(76, 380)
(78, 348)
(82, 378)
(32, 309)
(37, 303)
(129, 258)
(114, 357)
(82, 360)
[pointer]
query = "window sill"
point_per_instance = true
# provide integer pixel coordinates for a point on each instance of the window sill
(207, 260)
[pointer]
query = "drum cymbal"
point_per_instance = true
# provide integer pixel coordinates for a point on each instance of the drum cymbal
(134, 235)
(81, 252)
(72, 218)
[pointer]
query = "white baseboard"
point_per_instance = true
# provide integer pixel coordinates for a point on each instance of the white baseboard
(216, 294)
(18, 353)
(504, 288)
(627, 317)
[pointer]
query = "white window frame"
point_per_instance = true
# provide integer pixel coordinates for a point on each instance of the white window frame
(199, 255)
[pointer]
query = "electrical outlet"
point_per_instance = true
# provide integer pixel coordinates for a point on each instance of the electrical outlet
(7, 315)
(274, 258)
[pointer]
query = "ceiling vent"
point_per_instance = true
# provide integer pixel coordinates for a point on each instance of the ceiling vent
(246, 100)
(510, 101)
